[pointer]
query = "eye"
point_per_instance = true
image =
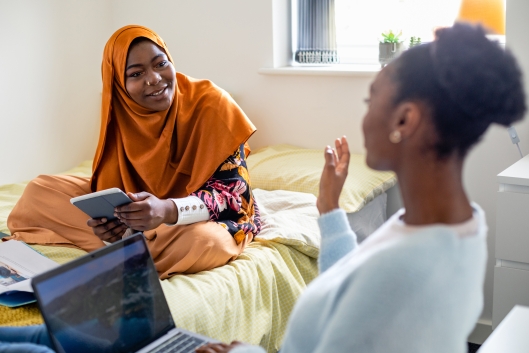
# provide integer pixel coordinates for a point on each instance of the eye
(162, 64)
(135, 74)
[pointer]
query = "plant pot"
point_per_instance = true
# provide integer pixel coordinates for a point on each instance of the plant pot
(388, 52)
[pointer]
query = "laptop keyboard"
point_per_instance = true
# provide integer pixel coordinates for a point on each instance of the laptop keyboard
(179, 343)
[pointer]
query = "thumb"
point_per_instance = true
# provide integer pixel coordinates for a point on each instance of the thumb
(329, 157)
(140, 196)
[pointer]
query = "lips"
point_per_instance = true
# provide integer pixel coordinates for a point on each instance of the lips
(157, 92)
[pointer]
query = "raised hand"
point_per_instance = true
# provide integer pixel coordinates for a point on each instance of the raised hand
(333, 175)
(146, 212)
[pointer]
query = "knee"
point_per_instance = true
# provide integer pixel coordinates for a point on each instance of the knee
(213, 236)
(39, 181)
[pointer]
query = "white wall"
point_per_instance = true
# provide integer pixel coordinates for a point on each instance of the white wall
(50, 77)
(49, 109)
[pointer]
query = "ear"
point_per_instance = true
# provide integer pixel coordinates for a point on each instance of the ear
(407, 118)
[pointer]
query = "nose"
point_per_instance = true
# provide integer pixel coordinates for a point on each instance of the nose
(152, 78)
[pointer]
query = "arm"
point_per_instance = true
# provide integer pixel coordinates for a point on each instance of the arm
(225, 198)
(229, 199)
(337, 238)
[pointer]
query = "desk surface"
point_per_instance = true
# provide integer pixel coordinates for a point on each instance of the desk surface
(517, 174)
(511, 335)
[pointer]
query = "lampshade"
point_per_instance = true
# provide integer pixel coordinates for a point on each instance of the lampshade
(489, 13)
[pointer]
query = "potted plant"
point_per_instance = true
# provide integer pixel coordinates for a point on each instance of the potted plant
(414, 41)
(389, 47)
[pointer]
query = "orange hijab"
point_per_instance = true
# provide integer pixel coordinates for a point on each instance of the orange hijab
(170, 153)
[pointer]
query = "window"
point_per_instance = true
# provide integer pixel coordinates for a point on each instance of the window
(360, 23)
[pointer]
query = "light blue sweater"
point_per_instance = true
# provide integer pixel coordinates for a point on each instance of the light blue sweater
(419, 291)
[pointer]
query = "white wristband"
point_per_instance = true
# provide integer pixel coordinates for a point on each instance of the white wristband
(191, 209)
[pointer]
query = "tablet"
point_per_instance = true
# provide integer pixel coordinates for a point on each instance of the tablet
(101, 203)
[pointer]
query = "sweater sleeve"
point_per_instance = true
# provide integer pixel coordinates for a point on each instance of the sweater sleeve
(337, 238)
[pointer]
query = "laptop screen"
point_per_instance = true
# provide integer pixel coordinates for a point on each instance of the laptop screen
(108, 301)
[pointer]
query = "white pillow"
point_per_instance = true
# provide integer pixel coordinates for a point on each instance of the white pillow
(289, 218)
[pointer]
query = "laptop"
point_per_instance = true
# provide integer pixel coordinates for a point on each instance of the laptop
(110, 300)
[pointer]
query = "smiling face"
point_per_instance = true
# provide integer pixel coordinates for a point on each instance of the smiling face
(379, 122)
(149, 76)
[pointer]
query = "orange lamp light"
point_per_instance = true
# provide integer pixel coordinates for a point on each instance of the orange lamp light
(489, 13)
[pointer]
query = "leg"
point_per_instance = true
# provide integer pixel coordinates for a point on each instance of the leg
(191, 248)
(37, 335)
(44, 214)
(24, 348)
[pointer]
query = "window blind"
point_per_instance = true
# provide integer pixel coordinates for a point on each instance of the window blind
(316, 32)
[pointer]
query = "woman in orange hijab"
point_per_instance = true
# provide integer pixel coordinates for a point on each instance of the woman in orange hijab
(176, 145)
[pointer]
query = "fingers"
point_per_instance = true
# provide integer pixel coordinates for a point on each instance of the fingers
(139, 224)
(333, 175)
(344, 156)
(136, 205)
(135, 215)
(213, 348)
(345, 148)
(95, 222)
(339, 157)
(344, 142)
(140, 196)
(342, 147)
(130, 215)
(114, 234)
(131, 207)
(110, 231)
(218, 347)
(146, 211)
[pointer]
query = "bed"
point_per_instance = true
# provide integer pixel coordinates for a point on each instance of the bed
(250, 298)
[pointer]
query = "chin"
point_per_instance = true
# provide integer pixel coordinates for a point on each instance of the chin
(165, 106)
(161, 106)
(377, 164)
(370, 163)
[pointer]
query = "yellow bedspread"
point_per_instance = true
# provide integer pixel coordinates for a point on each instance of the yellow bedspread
(248, 299)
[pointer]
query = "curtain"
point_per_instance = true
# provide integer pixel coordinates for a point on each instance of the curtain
(316, 32)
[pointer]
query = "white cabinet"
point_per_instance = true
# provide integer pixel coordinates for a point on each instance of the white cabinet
(511, 335)
(511, 274)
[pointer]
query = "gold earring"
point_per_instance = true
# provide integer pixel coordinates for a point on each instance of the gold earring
(395, 136)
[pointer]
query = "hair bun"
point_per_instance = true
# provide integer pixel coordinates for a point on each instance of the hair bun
(482, 78)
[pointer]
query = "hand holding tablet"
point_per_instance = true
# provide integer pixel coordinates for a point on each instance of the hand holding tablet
(101, 204)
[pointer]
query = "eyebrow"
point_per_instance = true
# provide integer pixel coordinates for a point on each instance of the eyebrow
(140, 65)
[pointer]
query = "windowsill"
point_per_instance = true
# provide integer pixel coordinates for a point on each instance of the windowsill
(358, 70)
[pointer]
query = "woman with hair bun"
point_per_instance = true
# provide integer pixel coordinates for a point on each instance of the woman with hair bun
(415, 285)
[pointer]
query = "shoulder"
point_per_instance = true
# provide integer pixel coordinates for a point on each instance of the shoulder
(195, 89)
